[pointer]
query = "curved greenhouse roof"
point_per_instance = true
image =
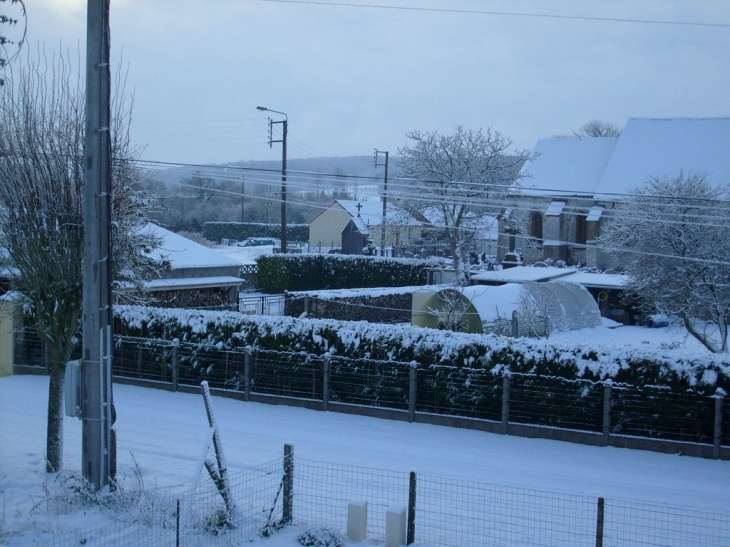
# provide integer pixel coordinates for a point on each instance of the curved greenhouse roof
(553, 305)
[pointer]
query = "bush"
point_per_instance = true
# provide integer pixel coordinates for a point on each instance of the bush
(238, 231)
(279, 273)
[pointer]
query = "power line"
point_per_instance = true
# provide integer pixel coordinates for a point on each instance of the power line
(501, 13)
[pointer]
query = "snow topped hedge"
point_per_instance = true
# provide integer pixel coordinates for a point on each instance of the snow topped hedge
(228, 330)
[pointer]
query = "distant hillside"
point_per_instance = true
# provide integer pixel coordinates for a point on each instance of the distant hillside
(350, 166)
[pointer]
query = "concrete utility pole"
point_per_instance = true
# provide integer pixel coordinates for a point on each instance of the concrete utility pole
(385, 198)
(285, 128)
(96, 411)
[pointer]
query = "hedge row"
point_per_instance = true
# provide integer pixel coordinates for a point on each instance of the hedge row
(383, 308)
(215, 231)
(306, 272)
(217, 331)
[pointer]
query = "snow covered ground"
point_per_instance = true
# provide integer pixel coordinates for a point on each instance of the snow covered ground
(162, 432)
(160, 435)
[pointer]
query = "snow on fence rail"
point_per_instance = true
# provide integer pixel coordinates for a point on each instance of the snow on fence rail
(442, 512)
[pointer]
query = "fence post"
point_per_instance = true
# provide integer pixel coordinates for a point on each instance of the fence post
(717, 441)
(411, 533)
(515, 325)
(412, 392)
(599, 522)
(247, 374)
(307, 305)
(175, 363)
(607, 398)
(325, 382)
(506, 383)
(288, 485)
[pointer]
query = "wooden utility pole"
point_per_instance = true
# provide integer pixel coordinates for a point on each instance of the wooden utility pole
(385, 199)
(96, 403)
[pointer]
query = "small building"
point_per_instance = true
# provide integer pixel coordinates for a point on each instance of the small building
(401, 227)
(198, 277)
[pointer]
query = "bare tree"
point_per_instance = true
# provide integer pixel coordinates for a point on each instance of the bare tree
(540, 311)
(455, 179)
(10, 48)
(597, 128)
(42, 116)
(674, 233)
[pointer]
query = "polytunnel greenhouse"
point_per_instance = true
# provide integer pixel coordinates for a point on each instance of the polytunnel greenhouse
(514, 309)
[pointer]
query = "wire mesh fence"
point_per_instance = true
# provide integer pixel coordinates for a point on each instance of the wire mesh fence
(582, 406)
(442, 512)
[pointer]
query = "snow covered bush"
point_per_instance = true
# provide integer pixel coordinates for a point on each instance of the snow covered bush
(238, 231)
(428, 348)
(305, 272)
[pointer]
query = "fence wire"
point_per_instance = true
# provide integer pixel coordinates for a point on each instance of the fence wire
(633, 524)
(454, 512)
(447, 512)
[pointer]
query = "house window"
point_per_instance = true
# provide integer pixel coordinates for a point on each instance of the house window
(536, 226)
(580, 230)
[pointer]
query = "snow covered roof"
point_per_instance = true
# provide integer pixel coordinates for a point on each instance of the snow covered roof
(184, 253)
(192, 283)
(611, 167)
(526, 274)
(370, 213)
(565, 166)
(522, 274)
(658, 147)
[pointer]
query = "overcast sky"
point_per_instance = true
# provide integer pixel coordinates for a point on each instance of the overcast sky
(353, 77)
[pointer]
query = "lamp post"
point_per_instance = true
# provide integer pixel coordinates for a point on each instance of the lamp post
(284, 125)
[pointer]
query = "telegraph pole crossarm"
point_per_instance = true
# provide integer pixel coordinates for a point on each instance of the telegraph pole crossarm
(285, 129)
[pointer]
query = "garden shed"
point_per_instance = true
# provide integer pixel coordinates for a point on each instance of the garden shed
(531, 309)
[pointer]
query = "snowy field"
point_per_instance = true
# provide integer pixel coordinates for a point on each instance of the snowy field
(162, 432)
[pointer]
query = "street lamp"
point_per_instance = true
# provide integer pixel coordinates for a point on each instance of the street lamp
(284, 124)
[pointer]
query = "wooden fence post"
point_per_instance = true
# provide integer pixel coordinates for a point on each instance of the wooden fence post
(413, 385)
(607, 398)
(506, 384)
(599, 522)
(247, 374)
(175, 363)
(717, 440)
(325, 382)
(411, 530)
(287, 514)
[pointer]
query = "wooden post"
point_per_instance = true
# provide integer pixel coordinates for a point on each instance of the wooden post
(247, 375)
(717, 441)
(599, 522)
(325, 382)
(607, 398)
(413, 384)
(288, 496)
(505, 401)
(411, 534)
(175, 363)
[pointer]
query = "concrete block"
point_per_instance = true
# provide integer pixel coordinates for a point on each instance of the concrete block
(395, 526)
(357, 520)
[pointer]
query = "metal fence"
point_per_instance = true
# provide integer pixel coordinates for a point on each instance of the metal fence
(524, 404)
(442, 512)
